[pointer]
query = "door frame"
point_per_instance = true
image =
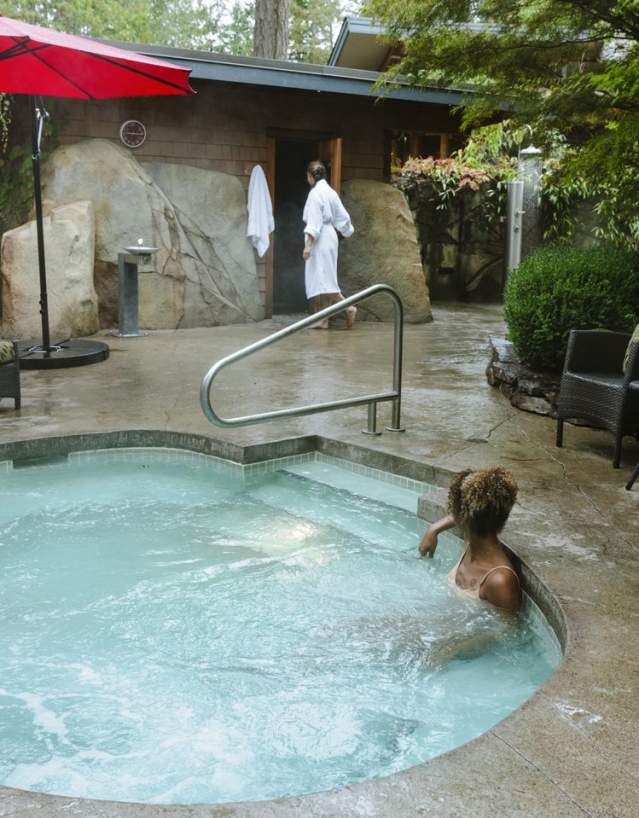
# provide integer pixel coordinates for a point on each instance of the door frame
(328, 144)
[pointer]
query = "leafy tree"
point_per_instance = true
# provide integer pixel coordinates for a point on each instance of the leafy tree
(236, 37)
(199, 24)
(311, 29)
(568, 66)
(194, 24)
(117, 19)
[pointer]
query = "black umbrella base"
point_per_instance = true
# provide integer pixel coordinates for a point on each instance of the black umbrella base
(73, 352)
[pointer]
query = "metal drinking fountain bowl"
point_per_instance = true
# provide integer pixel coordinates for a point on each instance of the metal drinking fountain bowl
(143, 253)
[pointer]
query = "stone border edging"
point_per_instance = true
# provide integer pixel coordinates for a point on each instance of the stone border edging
(525, 388)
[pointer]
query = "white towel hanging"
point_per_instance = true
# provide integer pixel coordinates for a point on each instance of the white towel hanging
(260, 210)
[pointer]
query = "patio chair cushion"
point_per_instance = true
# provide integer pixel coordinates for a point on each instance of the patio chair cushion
(7, 352)
(634, 339)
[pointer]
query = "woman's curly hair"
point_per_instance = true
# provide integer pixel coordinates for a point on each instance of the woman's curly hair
(317, 170)
(480, 501)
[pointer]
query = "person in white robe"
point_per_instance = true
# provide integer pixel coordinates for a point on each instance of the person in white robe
(324, 215)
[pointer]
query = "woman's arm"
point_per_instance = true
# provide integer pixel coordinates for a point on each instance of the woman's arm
(428, 543)
(314, 219)
(309, 241)
(342, 220)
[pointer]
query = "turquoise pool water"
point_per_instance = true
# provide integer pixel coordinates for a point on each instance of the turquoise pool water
(180, 631)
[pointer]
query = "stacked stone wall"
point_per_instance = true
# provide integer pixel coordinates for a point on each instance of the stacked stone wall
(462, 246)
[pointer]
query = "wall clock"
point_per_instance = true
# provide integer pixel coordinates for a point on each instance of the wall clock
(132, 133)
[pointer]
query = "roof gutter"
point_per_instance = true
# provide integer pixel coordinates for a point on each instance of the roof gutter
(301, 76)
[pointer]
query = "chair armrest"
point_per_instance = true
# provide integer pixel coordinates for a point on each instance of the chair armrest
(596, 351)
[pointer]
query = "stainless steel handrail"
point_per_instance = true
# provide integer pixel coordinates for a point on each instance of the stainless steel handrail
(395, 395)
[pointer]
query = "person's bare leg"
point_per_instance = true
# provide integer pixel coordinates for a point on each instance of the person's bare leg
(350, 312)
(328, 300)
(316, 306)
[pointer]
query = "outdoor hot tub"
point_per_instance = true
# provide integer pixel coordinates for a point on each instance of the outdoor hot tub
(180, 629)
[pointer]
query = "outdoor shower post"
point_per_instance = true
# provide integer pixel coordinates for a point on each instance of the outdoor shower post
(514, 213)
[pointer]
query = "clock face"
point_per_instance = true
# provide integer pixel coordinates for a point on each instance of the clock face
(132, 133)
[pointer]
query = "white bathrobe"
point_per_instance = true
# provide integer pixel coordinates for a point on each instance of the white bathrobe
(324, 213)
(260, 211)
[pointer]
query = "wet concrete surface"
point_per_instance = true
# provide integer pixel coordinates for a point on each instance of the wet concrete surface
(572, 750)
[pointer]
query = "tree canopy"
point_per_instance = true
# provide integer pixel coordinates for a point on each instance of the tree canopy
(560, 66)
(311, 29)
(203, 24)
(211, 25)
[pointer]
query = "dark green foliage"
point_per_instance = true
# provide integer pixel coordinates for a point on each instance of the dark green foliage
(16, 168)
(560, 288)
(210, 25)
(311, 29)
(16, 187)
(567, 66)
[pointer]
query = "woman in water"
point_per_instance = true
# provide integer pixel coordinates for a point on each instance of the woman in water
(479, 502)
(324, 213)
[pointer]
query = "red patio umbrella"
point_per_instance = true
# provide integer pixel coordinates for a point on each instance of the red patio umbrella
(41, 62)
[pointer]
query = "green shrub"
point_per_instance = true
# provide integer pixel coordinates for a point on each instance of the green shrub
(559, 288)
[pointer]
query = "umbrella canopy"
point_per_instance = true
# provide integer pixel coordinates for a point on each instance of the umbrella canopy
(36, 60)
(45, 63)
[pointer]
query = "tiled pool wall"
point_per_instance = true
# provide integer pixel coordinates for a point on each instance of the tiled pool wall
(423, 479)
(167, 454)
(245, 455)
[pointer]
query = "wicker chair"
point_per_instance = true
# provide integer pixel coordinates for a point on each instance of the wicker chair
(594, 387)
(9, 373)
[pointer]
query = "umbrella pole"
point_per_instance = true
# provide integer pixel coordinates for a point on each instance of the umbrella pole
(37, 124)
(71, 352)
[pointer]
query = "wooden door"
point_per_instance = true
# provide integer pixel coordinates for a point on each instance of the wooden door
(330, 151)
(268, 260)
(270, 166)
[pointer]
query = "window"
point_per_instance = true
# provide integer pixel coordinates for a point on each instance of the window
(415, 143)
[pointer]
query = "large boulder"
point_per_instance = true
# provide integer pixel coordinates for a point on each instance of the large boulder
(383, 250)
(69, 251)
(197, 277)
(211, 210)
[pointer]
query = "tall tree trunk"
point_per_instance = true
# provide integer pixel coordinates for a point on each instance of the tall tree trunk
(271, 29)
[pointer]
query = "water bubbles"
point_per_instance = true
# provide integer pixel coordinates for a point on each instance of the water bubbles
(174, 634)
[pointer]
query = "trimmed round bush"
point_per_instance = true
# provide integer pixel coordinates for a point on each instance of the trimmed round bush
(559, 288)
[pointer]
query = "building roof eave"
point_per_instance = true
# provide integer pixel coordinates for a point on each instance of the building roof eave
(209, 66)
(352, 25)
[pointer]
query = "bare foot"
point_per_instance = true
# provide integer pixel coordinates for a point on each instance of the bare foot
(321, 324)
(351, 312)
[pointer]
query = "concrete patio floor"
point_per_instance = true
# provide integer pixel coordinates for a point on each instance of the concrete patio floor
(572, 750)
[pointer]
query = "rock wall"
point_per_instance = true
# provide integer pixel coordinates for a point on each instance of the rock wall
(210, 208)
(69, 251)
(462, 251)
(204, 272)
(525, 388)
(383, 250)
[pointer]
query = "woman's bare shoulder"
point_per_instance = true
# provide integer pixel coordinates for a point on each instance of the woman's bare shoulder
(502, 589)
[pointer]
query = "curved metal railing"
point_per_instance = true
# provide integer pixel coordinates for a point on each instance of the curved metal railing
(395, 395)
